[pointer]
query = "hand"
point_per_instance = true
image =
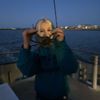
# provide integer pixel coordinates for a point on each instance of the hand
(59, 34)
(27, 34)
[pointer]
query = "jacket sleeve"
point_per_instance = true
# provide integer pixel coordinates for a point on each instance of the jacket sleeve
(27, 62)
(66, 59)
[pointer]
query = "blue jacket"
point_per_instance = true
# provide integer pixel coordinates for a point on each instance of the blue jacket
(50, 65)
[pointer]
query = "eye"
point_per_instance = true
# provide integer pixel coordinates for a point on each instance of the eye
(41, 30)
(49, 30)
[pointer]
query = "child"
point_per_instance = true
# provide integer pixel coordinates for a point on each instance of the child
(51, 62)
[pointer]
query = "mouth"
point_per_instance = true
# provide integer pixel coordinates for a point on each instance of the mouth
(45, 41)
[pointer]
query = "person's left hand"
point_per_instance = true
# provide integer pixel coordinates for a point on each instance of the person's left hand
(59, 34)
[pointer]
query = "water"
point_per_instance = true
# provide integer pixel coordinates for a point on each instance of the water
(88, 40)
(10, 40)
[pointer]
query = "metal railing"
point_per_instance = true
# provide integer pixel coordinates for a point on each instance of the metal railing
(82, 69)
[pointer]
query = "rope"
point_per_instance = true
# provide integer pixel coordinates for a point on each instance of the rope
(55, 12)
(73, 49)
(10, 52)
(86, 51)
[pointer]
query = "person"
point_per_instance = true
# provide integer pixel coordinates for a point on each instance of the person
(51, 62)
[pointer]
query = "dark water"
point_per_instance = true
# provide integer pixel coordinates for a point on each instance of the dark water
(88, 40)
(11, 40)
(87, 43)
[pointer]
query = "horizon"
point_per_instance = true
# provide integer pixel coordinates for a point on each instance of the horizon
(25, 13)
(60, 26)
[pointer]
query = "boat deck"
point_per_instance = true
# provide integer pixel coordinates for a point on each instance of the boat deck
(79, 91)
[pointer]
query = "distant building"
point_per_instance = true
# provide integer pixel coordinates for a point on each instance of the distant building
(66, 27)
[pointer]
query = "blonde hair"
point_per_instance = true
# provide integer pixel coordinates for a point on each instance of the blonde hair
(44, 20)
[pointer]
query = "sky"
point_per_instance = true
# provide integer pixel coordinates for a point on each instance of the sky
(25, 13)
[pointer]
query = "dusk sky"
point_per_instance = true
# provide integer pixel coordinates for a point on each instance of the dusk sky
(24, 13)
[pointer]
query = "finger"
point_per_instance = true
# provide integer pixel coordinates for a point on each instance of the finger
(59, 30)
(32, 31)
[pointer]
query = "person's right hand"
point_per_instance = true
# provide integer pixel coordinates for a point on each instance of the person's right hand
(27, 34)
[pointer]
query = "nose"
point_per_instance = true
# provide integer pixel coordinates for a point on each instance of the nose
(46, 34)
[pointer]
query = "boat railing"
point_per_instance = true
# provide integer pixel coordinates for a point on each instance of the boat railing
(88, 72)
(15, 51)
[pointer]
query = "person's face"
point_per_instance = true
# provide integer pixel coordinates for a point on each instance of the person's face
(44, 29)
